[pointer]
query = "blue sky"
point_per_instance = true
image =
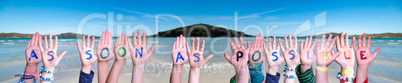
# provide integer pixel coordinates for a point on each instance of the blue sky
(285, 17)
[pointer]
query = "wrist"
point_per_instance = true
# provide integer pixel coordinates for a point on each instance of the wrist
(86, 68)
(32, 66)
(272, 70)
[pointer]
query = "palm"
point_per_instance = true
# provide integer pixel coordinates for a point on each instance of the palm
(307, 56)
(33, 51)
(290, 53)
(139, 53)
(273, 57)
(346, 59)
(324, 60)
(50, 57)
(121, 47)
(240, 54)
(256, 53)
(196, 61)
(86, 53)
(104, 49)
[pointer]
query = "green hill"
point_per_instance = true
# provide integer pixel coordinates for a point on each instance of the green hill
(201, 30)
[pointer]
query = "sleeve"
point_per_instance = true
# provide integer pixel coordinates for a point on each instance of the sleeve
(233, 79)
(306, 77)
(273, 78)
(86, 78)
(365, 81)
(256, 74)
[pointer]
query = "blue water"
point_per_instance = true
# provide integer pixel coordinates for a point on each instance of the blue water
(12, 52)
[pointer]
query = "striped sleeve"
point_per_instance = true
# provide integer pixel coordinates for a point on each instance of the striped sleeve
(306, 77)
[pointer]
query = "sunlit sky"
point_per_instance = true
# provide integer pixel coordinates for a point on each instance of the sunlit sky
(285, 17)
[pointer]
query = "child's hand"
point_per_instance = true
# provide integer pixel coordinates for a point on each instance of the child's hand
(290, 53)
(307, 52)
(240, 54)
(325, 53)
(346, 59)
(256, 53)
(274, 59)
(121, 48)
(140, 55)
(86, 53)
(364, 57)
(196, 54)
(33, 52)
(179, 52)
(104, 50)
(50, 59)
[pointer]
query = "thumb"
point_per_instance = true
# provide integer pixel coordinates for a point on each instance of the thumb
(61, 55)
(376, 52)
(208, 57)
(151, 50)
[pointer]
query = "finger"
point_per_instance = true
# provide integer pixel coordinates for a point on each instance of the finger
(290, 41)
(306, 44)
(269, 44)
(174, 45)
(92, 42)
(139, 37)
(369, 42)
(183, 41)
(46, 44)
(254, 45)
(83, 42)
(125, 40)
(342, 40)
(248, 45)
(309, 42)
(353, 44)
(227, 57)
(322, 41)
(61, 55)
(338, 46)
(313, 46)
(301, 44)
(333, 43)
(242, 43)
(198, 44)
(231, 44)
(178, 42)
(334, 56)
(364, 40)
(237, 42)
(359, 41)
(131, 45)
(318, 44)
(50, 41)
(110, 38)
(79, 47)
(103, 38)
(265, 49)
(295, 42)
(274, 43)
(151, 50)
(376, 52)
(280, 44)
(35, 37)
(280, 59)
(347, 40)
(56, 40)
(208, 57)
(286, 43)
(329, 40)
(202, 46)
(134, 39)
(88, 40)
(33, 40)
(29, 43)
(192, 44)
(188, 48)
(144, 39)
(100, 42)
(40, 42)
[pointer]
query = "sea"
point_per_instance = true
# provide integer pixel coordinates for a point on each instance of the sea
(387, 65)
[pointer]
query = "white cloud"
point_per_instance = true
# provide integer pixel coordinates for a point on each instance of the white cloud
(271, 18)
(145, 15)
(256, 15)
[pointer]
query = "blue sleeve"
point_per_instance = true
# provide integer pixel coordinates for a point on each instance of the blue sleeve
(86, 78)
(273, 78)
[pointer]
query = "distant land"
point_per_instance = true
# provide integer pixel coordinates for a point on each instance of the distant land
(200, 30)
(197, 30)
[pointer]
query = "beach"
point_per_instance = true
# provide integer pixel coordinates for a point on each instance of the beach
(385, 68)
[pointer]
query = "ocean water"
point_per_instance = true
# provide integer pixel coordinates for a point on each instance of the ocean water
(387, 65)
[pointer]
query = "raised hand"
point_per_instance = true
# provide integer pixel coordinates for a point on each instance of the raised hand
(179, 52)
(346, 59)
(307, 53)
(364, 57)
(140, 55)
(86, 53)
(239, 59)
(290, 54)
(104, 50)
(256, 53)
(33, 52)
(121, 48)
(50, 59)
(196, 58)
(274, 59)
(325, 53)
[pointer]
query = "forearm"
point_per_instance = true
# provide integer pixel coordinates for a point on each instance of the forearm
(307, 76)
(194, 75)
(47, 75)
(289, 72)
(138, 74)
(32, 67)
(321, 76)
(103, 71)
(175, 76)
(347, 75)
(113, 76)
(361, 74)
(86, 68)
(242, 75)
(304, 67)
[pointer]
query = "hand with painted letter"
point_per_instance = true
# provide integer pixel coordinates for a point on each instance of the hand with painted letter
(274, 59)
(86, 53)
(121, 48)
(196, 60)
(139, 53)
(256, 53)
(290, 54)
(179, 57)
(33, 55)
(239, 59)
(307, 53)
(347, 57)
(50, 59)
(364, 57)
(104, 52)
(325, 53)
